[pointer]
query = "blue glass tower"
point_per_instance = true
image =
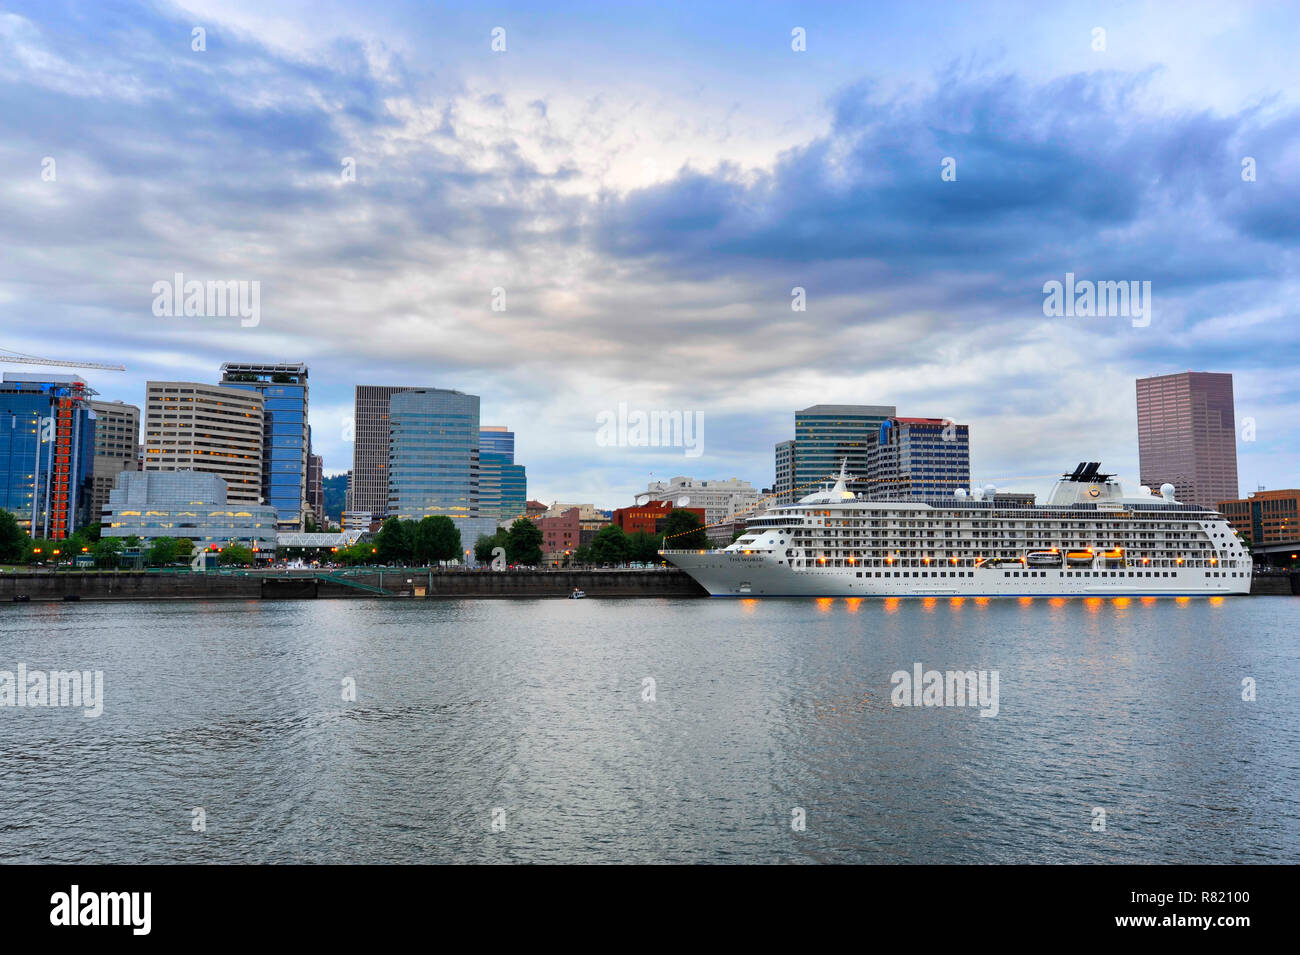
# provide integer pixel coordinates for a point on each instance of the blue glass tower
(47, 452)
(503, 485)
(286, 438)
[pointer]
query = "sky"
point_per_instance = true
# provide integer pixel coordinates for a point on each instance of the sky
(568, 208)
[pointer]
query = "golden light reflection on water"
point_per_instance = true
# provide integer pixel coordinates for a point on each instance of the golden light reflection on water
(1092, 603)
(891, 604)
(749, 604)
(1215, 601)
(1181, 601)
(1056, 602)
(981, 601)
(1121, 602)
(824, 604)
(956, 603)
(1025, 601)
(928, 604)
(1148, 601)
(854, 604)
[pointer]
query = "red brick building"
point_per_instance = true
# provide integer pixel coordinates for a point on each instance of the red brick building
(561, 535)
(649, 517)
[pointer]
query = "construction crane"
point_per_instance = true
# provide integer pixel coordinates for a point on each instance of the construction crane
(12, 357)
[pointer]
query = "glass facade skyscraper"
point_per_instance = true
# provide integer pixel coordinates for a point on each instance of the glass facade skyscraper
(433, 460)
(825, 435)
(47, 452)
(503, 485)
(918, 459)
(286, 443)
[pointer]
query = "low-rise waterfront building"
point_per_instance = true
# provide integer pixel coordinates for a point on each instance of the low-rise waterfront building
(189, 504)
(649, 517)
(722, 501)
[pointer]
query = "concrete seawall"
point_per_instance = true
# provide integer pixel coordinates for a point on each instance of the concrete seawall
(50, 586)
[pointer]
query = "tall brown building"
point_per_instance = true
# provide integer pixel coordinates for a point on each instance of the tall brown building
(117, 444)
(368, 482)
(316, 488)
(1187, 435)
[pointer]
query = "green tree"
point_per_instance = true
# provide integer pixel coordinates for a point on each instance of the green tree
(91, 532)
(484, 546)
(524, 542)
(182, 549)
(39, 549)
(161, 551)
(391, 543)
(108, 551)
(610, 546)
(13, 540)
(446, 540)
(435, 539)
(583, 555)
(235, 554)
(683, 530)
(643, 547)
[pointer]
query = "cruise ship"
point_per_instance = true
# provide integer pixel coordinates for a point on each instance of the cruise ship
(1089, 539)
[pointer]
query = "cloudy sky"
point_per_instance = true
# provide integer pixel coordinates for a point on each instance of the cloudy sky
(647, 183)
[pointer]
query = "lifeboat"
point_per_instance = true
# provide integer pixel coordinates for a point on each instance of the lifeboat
(1043, 558)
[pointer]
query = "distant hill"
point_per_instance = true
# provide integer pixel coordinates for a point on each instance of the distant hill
(336, 492)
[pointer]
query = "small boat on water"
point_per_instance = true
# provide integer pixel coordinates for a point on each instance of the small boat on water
(577, 594)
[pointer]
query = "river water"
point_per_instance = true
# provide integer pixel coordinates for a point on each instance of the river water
(648, 730)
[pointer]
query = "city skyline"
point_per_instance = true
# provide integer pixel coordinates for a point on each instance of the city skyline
(687, 205)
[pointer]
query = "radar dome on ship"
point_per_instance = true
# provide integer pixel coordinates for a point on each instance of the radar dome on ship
(977, 493)
(959, 494)
(1144, 490)
(990, 491)
(1167, 491)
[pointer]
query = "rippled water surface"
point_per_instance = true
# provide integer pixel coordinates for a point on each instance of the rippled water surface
(760, 708)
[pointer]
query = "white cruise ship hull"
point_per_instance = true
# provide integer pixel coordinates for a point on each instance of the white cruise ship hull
(724, 574)
(1088, 540)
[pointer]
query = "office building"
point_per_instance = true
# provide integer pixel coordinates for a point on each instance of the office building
(649, 517)
(503, 485)
(783, 486)
(286, 436)
(433, 460)
(917, 459)
(1187, 436)
(117, 448)
(827, 435)
(189, 504)
(47, 435)
(316, 489)
(191, 426)
(1266, 517)
(368, 479)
